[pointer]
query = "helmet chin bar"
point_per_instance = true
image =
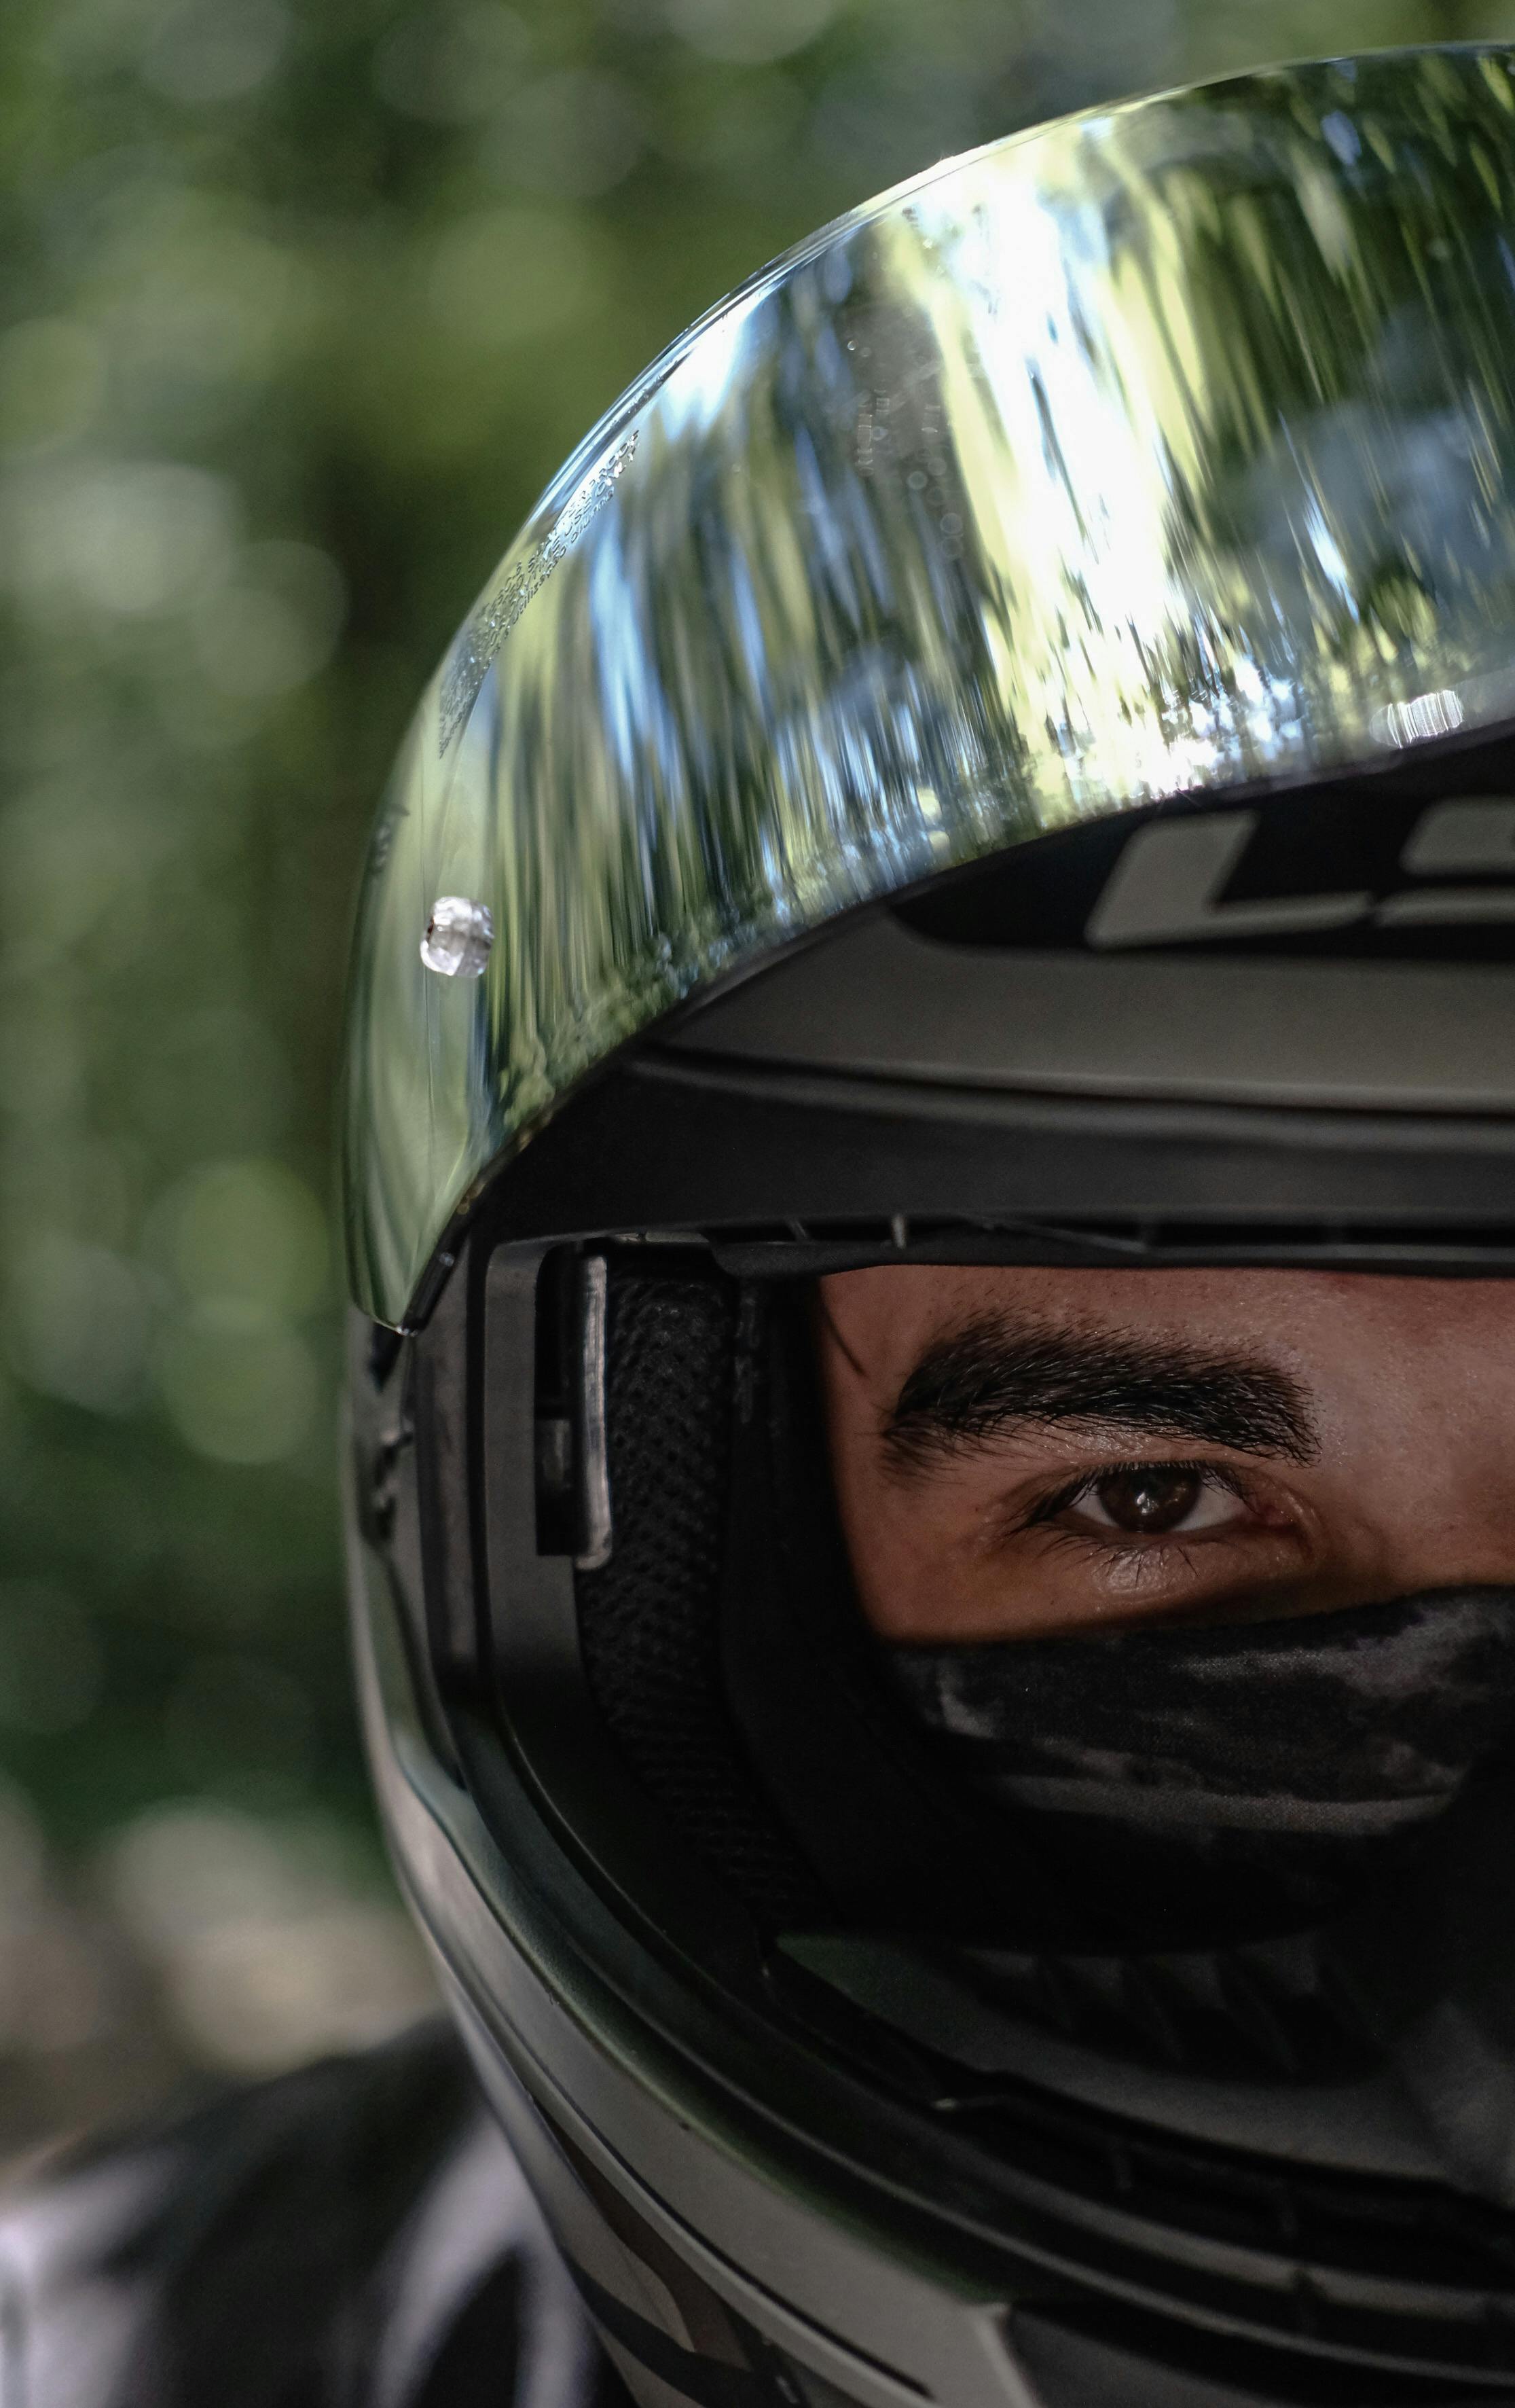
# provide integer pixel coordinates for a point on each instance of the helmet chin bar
(1145, 2193)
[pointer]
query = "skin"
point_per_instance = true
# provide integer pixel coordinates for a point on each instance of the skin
(1082, 1450)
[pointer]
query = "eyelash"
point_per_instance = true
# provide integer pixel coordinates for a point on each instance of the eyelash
(1046, 1509)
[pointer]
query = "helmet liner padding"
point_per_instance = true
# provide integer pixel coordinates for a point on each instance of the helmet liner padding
(647, 1617)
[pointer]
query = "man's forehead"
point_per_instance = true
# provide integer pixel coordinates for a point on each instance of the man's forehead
(914, 1303)
(910, 1303)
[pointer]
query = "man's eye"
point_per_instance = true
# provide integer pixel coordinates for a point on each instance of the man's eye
(1150, 1501)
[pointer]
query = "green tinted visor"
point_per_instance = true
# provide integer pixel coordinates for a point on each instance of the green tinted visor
(1165, 448)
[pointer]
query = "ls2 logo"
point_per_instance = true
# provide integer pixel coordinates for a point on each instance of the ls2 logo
(1167, 885)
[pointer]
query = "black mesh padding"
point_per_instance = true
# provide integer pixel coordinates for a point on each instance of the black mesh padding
(648, 1618)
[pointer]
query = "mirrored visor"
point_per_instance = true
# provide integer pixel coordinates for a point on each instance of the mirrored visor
(1163, 449)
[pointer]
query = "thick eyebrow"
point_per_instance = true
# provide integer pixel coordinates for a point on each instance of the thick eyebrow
(989, 1374)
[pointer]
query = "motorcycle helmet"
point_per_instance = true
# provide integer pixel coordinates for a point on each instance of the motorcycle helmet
(997, 751)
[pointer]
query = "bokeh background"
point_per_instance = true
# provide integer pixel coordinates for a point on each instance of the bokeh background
(302, 303)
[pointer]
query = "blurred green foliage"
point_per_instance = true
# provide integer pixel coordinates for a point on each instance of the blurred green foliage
(303, 305)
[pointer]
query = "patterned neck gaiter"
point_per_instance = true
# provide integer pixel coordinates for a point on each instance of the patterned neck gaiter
(1210, 1784)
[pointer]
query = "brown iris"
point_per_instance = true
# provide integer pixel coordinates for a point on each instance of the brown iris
(1150, 1501)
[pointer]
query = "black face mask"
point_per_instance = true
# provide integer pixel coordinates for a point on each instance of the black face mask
(1206, 1785)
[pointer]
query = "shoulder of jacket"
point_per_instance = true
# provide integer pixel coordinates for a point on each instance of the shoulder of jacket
(318, 2236)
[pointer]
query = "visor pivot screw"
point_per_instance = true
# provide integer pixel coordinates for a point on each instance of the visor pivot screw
(458, 937)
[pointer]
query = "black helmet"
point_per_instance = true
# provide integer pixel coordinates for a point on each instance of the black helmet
(997, 753)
